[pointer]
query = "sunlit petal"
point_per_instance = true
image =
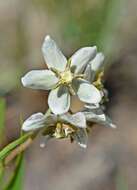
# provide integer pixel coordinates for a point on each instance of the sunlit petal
(77, 119)
(80, 59)
(34, 122)
(52, 54)
(98, 116)
(86, 92)
(40, 79)
(59, 100)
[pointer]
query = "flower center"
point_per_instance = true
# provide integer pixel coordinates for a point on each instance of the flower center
(63, 130)
(66, 77)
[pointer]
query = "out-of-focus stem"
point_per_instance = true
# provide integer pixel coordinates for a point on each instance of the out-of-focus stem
(16, 147)
(17, 151)
(4, 152)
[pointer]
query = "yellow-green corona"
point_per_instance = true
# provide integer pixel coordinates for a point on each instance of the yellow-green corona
(66, 77)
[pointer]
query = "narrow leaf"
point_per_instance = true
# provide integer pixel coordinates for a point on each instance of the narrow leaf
(2, 119)
(2, 135)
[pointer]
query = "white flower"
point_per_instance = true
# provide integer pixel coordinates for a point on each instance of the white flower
(62, 126)
(39, 120)
(64, 78)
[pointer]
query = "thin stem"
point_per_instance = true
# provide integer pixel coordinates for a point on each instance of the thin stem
(68, 66)
(14, 144)
(17, 151)
(16, 147)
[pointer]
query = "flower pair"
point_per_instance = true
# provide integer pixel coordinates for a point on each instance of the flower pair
(66, 78)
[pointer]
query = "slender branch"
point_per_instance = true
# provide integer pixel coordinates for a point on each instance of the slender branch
(16, 147)
(17, 151)
(4, 152)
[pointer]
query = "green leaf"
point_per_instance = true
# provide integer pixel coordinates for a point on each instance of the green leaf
(2, 171)
(2, 125)
(2, 119)
(107, 39)
(16, 181)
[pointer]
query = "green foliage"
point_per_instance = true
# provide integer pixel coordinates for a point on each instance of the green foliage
(1, 174)
(2, 122)
(112, 15)
(86, 22)
(2, 119)
(121, 182)
(15, 183)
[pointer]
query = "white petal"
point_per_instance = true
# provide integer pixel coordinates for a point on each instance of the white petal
(81, 58)
(93, 67)
(98, 116)
(77, 119)
(35, 121)
(81, 137)
(97, 62)
(86, 92)
(92, 106)
(40, 79)
(52, 54)
(59, 100)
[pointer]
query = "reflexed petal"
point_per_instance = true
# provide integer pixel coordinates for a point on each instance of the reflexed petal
(98, 116)
(81, 58)
(86, 92)
(40, 79)
(52, 55)
(109, 123)
(97, 62)
(77, 119)
(59, 100)
(35, 121)
(81, 137)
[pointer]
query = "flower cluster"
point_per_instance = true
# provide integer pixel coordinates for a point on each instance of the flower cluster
(79, 76)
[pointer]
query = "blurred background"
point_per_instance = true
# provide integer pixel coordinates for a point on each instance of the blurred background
(110, 161)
